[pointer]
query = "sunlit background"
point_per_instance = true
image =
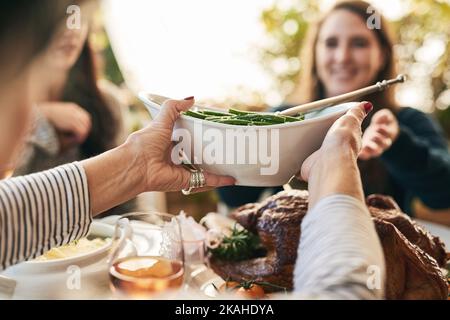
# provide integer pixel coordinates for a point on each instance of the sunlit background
(221, 51)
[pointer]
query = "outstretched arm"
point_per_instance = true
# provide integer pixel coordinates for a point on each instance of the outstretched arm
(339, 248)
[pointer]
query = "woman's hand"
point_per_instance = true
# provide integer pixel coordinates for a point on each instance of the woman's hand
(154, 145)
(332, 169)
(143, 163)
(380, 135)
(71, 121)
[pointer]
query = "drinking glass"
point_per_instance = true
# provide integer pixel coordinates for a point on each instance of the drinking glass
(147, 258)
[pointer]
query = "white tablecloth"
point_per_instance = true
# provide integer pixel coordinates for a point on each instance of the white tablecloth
(94, 278)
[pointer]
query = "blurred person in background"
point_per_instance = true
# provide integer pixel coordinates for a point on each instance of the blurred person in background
(51, 208)
(404, 152)
(76, 118)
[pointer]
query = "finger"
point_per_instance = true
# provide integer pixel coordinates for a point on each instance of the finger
(382, 141)
(79, 130)
(203, 189)
(366, 153)
(383, 116)
(360, 111)
(382, 129)
(213, 180)
(83, 117)
(81, 127)
(170, 111)
(86, 119)
(373, 145)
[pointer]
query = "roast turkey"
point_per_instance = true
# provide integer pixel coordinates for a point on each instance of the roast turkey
(413, 256)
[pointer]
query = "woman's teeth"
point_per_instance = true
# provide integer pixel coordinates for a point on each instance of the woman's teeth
(343, 73)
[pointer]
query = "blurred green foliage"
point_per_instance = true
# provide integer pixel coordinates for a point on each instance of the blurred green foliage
(112, 70)
(424, 25)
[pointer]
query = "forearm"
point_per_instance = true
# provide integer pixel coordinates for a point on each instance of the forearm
(338, 173)
(42, 211)
(339, 256)
(114, 177)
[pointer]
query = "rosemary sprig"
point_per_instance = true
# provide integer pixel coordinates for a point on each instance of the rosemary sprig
(240, 245)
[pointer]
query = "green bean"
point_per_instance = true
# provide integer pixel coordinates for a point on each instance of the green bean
(262, 118)
(290, 119)
(239, 112)
(215, 113)
(273, 118)
(235, 121)
(214, 118)
(261, 123)
(249, 116)
(194, 114)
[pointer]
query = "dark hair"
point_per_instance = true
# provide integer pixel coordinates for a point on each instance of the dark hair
(310, 87)
(82, 89)
(25, 30)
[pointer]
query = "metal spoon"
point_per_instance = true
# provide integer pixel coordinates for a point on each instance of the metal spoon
(328, 102)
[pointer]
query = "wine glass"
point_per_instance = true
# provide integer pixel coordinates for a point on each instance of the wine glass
(147, 258)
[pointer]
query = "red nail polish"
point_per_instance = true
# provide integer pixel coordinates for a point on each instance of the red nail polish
(189, 98)
(368, 107)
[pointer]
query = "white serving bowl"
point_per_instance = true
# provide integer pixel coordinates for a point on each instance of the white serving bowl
(292, 143)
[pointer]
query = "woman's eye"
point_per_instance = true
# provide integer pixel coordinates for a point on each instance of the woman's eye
(359, 43)
(331, 43)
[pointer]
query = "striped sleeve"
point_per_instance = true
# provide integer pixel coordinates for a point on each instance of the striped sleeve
(41, 211)
(340, 255)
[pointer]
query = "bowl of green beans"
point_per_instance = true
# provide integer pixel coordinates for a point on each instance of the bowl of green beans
(242, 118)
(256, 148)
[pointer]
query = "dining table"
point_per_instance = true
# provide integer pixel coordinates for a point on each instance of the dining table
(92, 277)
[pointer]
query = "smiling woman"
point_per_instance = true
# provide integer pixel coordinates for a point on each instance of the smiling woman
(404, 152)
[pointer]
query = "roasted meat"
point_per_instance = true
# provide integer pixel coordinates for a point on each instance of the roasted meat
(413, 256)
(277, 222)
(386, 209)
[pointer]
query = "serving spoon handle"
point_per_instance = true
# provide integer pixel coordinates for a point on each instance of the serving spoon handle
(328, 102)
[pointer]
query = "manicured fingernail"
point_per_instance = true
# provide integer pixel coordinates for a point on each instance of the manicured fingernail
(368, 107)
(189, 98)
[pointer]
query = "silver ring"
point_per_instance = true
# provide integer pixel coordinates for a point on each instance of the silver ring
(197, 180)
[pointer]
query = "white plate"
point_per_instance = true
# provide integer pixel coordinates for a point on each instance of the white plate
(296, 141)
(97, 229)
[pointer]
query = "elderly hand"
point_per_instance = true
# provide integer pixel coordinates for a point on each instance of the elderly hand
(380, 135)
(143, 163)
(154, 146)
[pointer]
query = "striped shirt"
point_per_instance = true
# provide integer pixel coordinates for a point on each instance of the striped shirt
(41, 211)
(340, 255)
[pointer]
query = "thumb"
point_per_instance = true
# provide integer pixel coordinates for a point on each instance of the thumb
(170, 111)
(360, 111)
